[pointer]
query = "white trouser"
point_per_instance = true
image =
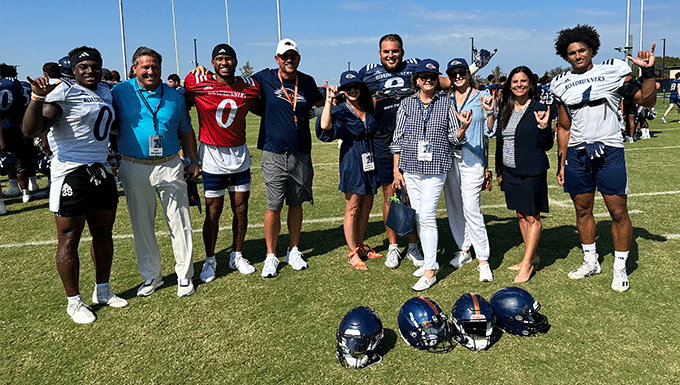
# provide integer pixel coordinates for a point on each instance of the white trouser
(424, 191)
(462, 192)
(142, 183)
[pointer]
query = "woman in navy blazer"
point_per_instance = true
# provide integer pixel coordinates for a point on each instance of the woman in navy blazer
(523, 137)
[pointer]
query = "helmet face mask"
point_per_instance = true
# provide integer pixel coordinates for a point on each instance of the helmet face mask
(518, 312)
(424, 326)
(358, 338)
(474, 321)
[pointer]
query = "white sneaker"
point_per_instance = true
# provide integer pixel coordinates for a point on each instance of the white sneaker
(149, 286)
(663, 118)
(392, 258)
(242, 264)
(26, 197)
(294, 259)
(485, 274)
(620, 282)
(270, 266)
(208, 270)
(421, 270)
(415, 256)
(185, 287)
(80, 312)
(460, 259)
(106, 297)
(424, 283)
(586, 270)
(3, 208)
(11, 192)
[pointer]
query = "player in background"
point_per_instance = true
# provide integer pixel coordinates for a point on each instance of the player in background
(590, 144)
(223, 100)
(175, 82)
(673, 100)
(12, 104)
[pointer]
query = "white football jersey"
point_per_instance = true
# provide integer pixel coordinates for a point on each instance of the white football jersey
(81, 134)
(593, 102)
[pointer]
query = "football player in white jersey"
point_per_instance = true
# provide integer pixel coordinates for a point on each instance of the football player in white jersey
(78, 114)
(590, 144)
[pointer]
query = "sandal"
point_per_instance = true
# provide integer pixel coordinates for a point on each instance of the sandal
(371, 254)
(355, 260)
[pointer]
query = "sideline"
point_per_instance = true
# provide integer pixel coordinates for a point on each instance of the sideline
(563, 203)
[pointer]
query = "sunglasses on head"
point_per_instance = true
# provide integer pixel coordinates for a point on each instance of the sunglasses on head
(430, 77)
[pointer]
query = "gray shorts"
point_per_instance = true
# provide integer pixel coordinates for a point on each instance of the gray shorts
(288, 176)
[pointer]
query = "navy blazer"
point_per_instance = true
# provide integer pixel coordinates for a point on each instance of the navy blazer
(531, 143)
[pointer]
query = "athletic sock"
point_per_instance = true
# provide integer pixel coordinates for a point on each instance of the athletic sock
(590, 252)
(393, 246)
(620, 258)
(75, 298)
(33, 183)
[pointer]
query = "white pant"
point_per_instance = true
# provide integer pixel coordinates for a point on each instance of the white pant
(462, 192)
(142, 183)
(424, 192)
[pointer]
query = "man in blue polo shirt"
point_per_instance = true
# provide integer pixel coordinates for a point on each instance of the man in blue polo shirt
(287, 97)
(154, 125)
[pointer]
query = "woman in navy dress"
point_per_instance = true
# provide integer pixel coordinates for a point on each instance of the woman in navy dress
(351, 121)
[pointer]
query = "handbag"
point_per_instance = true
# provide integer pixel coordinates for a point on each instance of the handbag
(401, 218)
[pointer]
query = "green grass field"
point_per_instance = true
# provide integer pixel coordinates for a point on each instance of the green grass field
(250, 330)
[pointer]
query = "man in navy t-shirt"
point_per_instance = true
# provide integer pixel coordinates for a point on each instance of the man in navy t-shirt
(287, 96)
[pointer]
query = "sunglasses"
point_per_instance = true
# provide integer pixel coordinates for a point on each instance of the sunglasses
(348, 87)
(432, 77)
(458, 72)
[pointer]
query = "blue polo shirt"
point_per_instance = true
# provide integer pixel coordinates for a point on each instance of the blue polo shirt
(136, 122)
(279, 131)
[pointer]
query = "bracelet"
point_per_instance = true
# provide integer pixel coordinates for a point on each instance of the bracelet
(647, 72)
(37, 98)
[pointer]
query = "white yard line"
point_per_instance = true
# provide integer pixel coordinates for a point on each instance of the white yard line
(562, 203)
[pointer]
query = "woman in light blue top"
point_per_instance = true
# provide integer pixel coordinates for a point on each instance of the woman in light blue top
(465, 180)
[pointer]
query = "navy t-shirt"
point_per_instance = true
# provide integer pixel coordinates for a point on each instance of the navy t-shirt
(12, 101)
(278, 129)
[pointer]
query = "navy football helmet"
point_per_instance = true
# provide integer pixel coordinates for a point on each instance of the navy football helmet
(8, 163)
(423, 325)
(517, 312)
(359, 337)
(474, 321)
(43, 162)
(65, 67)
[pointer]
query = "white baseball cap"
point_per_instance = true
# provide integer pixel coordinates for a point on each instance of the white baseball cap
(286, 45)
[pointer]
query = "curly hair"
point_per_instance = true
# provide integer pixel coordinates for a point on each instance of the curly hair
(582, 33)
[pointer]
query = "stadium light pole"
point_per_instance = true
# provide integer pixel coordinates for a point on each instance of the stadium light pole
(627, 42)
(226, 9)
(195, 54)
(174, 30)
(122, 36)
(278, 15)
(663, 59)
(642, 18)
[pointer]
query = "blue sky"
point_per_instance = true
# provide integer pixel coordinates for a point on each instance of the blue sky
(329, 33)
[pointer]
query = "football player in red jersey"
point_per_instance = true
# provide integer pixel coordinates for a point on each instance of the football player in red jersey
(223, 100)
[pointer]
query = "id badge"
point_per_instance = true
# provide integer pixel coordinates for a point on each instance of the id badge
(424, 151)
(367, 161)
(155, 145)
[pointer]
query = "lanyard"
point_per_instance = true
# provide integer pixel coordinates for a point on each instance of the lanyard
(427, 115)
(293, 100)
(455, 104)
(158, 106)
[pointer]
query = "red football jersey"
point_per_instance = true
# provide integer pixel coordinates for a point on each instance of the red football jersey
(222, 108)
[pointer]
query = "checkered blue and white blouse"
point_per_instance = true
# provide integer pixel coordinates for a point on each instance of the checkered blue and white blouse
(440, 130)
